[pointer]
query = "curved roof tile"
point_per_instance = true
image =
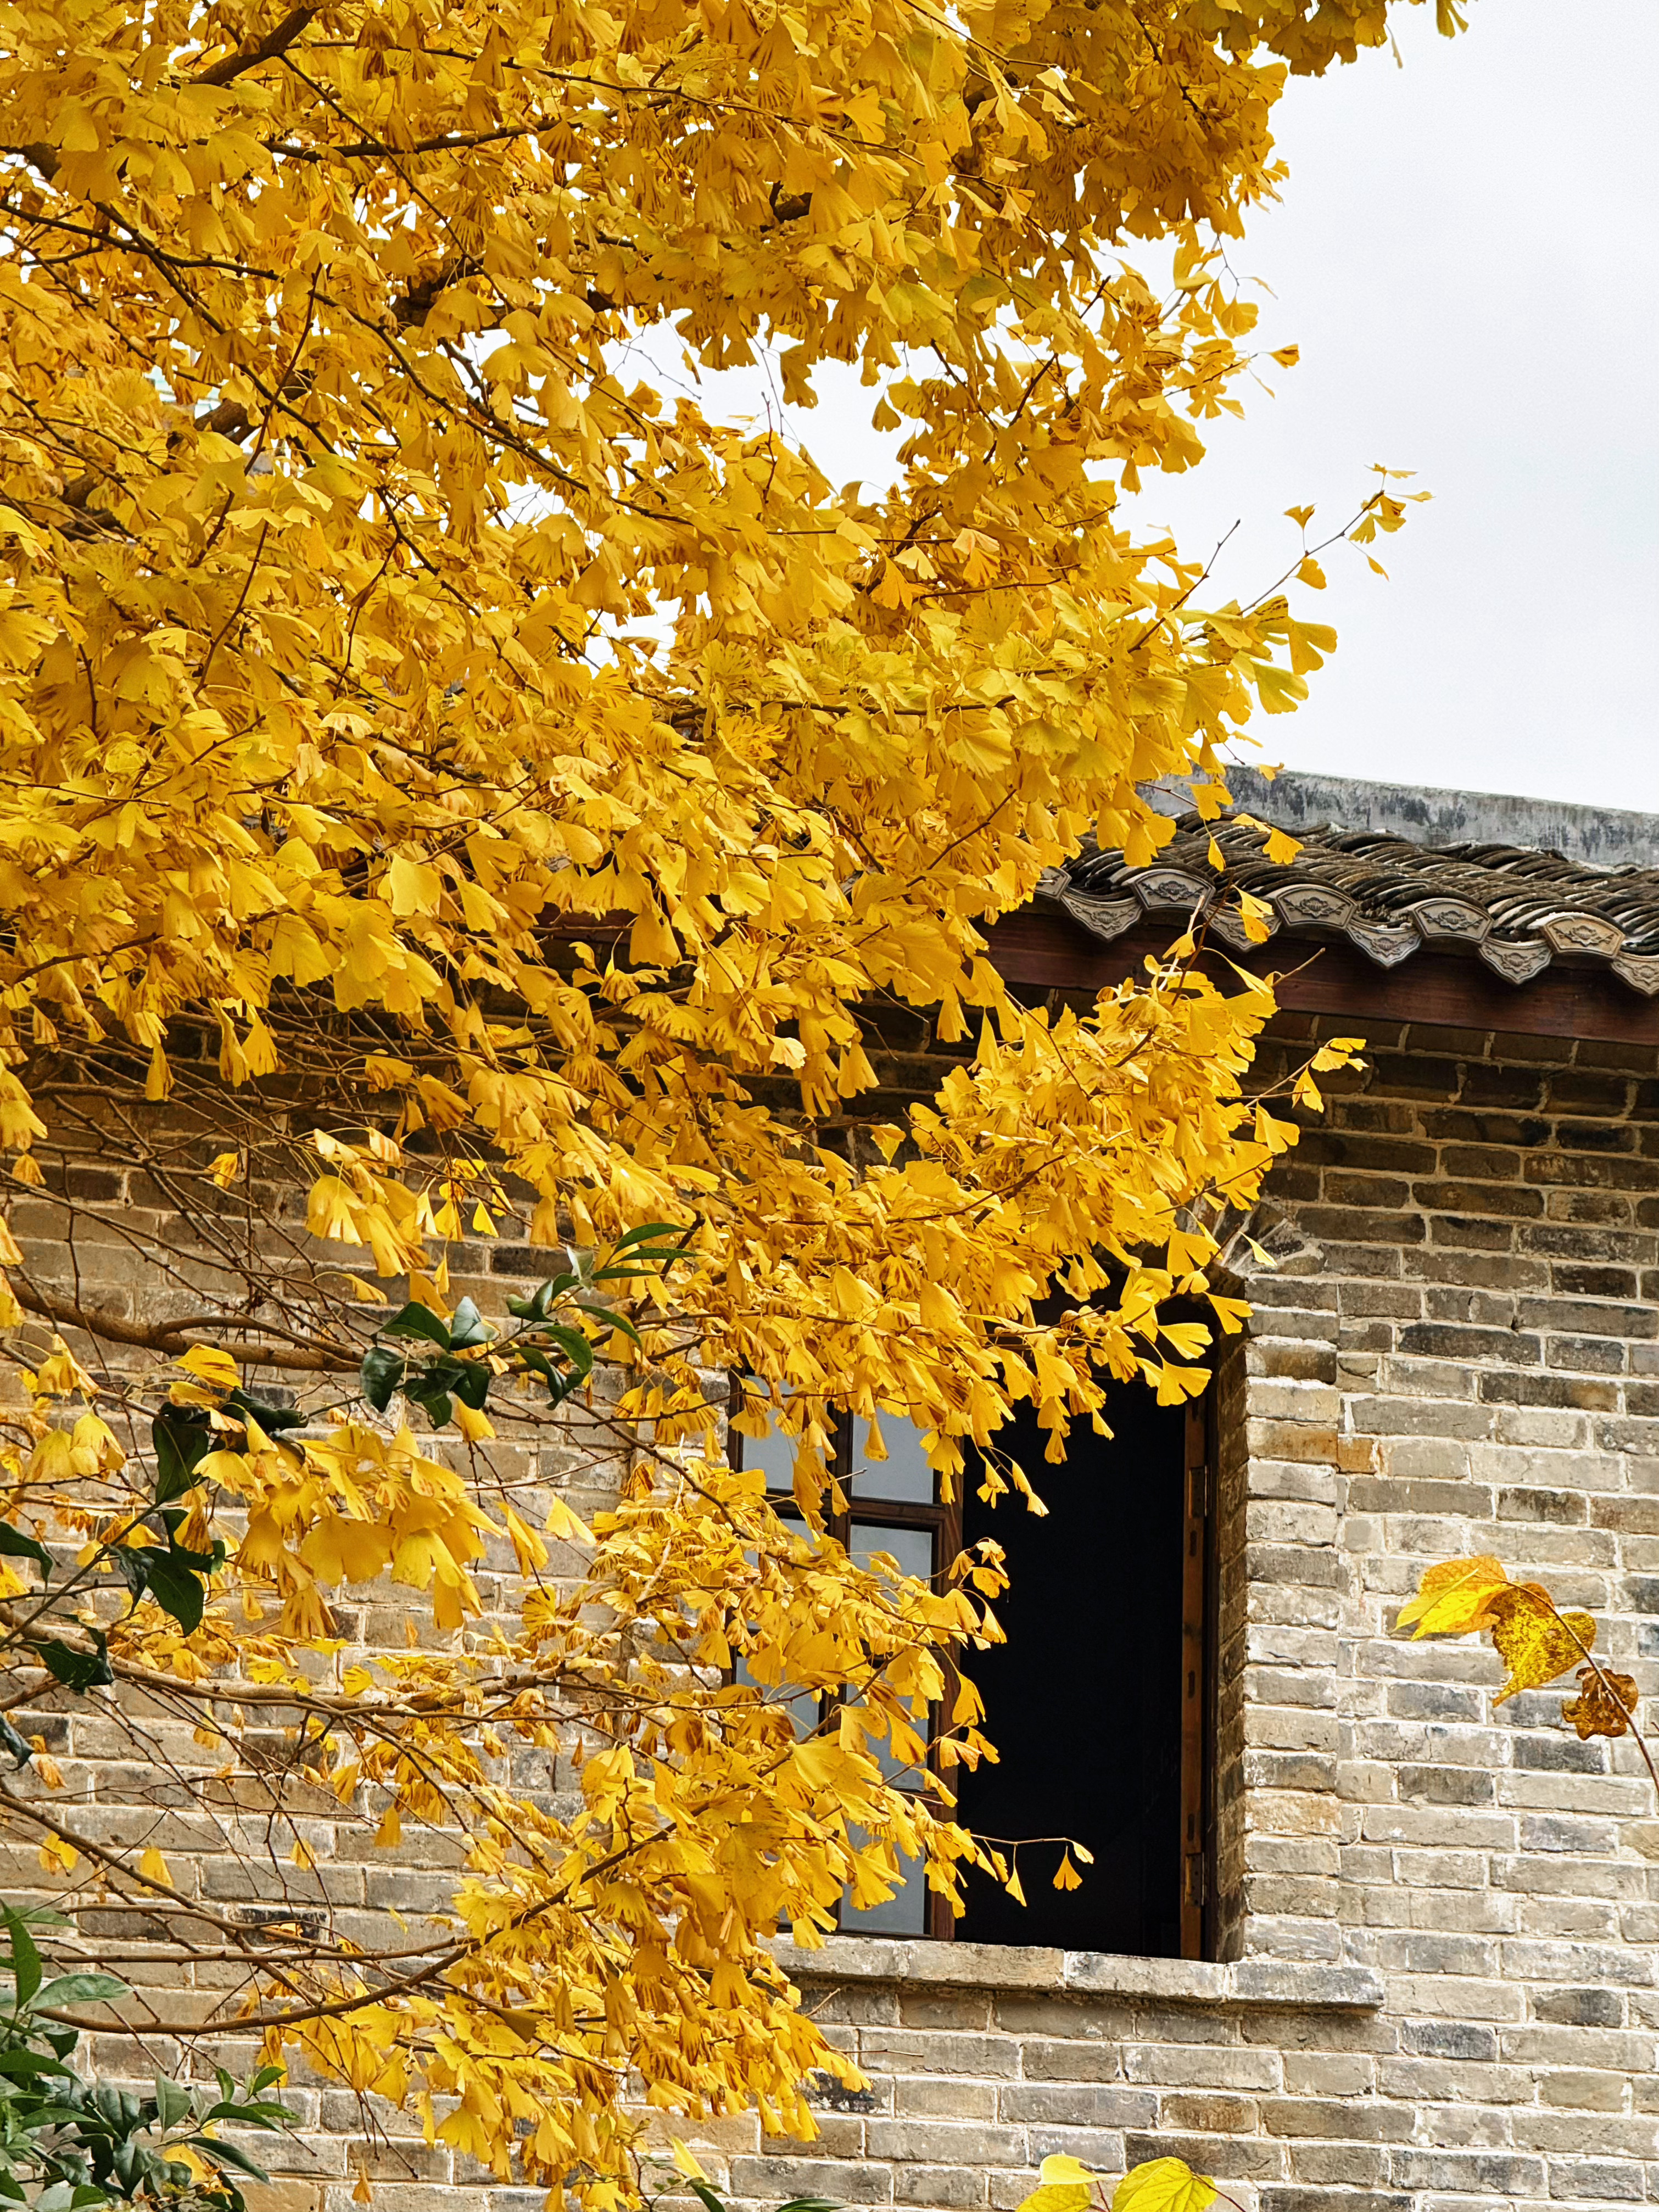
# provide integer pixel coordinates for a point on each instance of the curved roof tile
(1519, 909)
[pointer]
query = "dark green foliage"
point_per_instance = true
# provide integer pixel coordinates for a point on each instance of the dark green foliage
(70, 2145)
(559, 1353)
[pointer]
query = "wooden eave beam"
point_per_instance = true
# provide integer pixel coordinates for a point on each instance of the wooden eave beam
(1041, 949)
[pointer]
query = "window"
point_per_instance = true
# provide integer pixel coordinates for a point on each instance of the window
(893, 1508)
(1098, 1702)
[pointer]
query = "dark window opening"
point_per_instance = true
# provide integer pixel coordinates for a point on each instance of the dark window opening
(1098, 1702)
(1089, 1701)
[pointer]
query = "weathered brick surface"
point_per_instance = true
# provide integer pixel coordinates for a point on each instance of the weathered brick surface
(1458, 1351)
(1441, 1918)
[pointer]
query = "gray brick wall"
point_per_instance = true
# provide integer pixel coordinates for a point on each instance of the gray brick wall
(1457, 1352)
(1437, 1921)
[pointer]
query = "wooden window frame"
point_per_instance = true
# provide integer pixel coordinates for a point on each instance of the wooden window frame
(1198, 1687)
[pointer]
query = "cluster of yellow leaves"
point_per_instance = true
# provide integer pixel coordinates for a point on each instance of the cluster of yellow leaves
(403, 691)
(1160, 2184)
(1537, 1641)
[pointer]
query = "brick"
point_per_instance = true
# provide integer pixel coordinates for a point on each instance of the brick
(1610, 2179)
(1581, 2007)
(1078, 2104)
(1046, 2059)
(1580, 2090)
(1211, 2114)
(862, 2182)
(945, 2142)
(1450, 1340)
(903, 2050)
(1248, 2158)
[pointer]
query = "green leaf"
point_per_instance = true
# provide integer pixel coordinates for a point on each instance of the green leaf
(382, 1375)
(177, 1590)
(612, 1319)
(180, 1446)
(171, 2103)
(26, 1966)
(575, 1346)
(82, 1989)
(24, 2065)
(469, 1381)
(201, 1562)
(79, 1671)
(132, 1564)
(431, 1397)
(273, 1419)
(541, 1301)
(468, 1327)
(416, 1320)
(224, 2153)
(649, 1231)
(22, 1752)
(14, 1545)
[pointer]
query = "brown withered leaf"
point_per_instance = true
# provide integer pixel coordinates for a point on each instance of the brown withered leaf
(1536, 1642)
(1605, 1705)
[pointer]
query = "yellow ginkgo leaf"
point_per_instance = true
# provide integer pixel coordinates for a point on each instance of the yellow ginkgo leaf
(212, 1366)
(154, 1866)
(1163, 2184)
(1455, 1596)
(1536, 1642)
(1066, 1874)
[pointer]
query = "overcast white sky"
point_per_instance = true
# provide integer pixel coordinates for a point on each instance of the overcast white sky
(1468, 253)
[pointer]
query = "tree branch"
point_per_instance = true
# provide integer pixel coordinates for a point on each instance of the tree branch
(169, 1339)
(275, 42)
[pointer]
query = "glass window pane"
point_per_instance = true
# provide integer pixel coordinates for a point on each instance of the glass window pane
(905, 1475)
(774, 1451)
(805, 1706)
(904, 1913)
(912, 1548)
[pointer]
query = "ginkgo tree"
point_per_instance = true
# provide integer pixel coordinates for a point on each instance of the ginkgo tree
(450, 777)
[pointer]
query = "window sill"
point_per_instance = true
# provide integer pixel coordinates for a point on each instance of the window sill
(1083, 1973)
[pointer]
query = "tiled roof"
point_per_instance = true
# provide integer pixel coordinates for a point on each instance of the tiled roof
(1517, 910)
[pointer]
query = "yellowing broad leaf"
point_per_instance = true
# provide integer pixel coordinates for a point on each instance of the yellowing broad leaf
(1536, 1642)
(1455, 1596)
(1163, 2184)
(1065, 2185)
